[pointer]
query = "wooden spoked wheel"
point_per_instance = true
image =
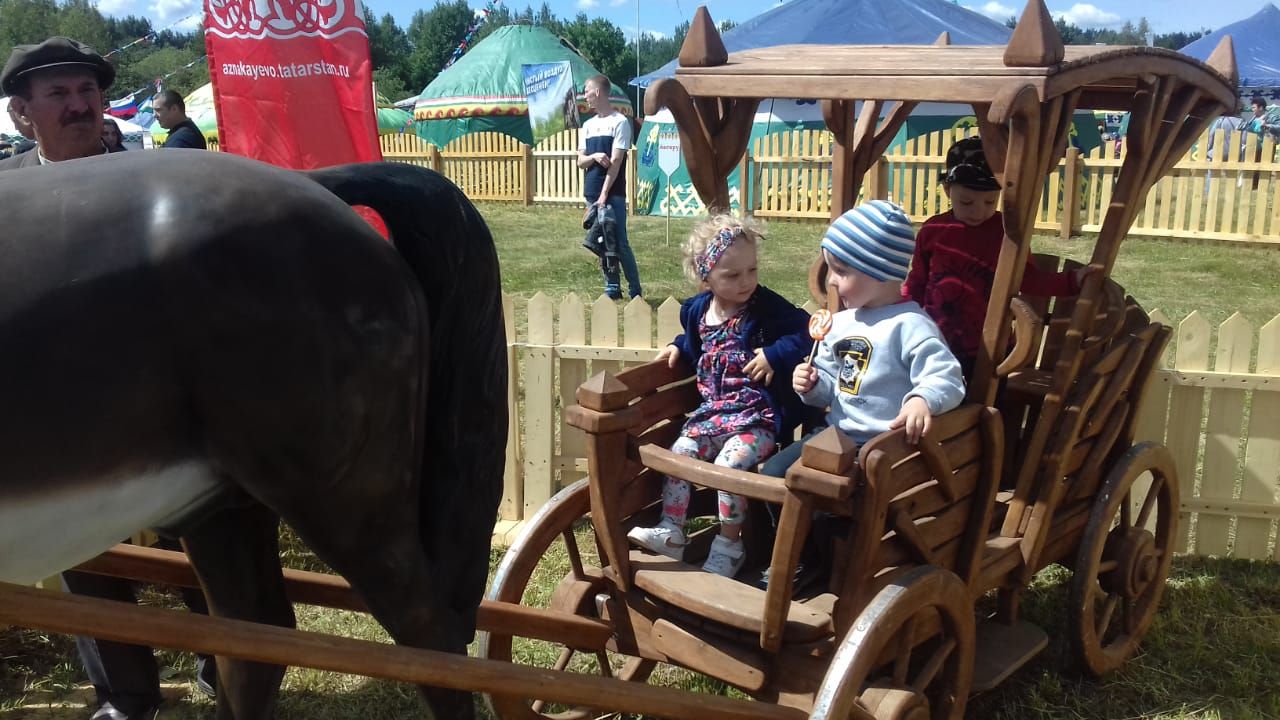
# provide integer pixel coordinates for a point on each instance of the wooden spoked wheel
(1124, 558)
(908, 656)
(549, 549)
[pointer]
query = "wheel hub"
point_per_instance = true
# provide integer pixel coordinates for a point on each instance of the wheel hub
(1134, 551)
(895, 703)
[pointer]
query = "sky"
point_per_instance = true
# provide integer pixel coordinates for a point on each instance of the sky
(660, 16)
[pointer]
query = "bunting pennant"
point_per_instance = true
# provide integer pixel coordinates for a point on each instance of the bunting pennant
(160, 80)
(149, 37)
(481, 16)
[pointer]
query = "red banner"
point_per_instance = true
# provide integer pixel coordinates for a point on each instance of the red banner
(292, 81)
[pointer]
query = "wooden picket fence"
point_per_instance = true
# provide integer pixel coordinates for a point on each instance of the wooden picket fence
(1233, 196)
(1222, 424)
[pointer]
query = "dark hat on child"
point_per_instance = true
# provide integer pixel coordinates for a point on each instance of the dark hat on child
(54, 52)
(967, 166)
(875, 238)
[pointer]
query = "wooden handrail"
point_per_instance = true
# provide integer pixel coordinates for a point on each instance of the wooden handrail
(166, 567)
(739, 482)
(156, 627)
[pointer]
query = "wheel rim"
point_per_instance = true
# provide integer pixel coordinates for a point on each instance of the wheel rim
(549, 547)
(908, 656)
(1124, 558)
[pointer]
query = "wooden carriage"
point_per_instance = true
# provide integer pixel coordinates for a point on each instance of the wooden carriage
(1040, 465)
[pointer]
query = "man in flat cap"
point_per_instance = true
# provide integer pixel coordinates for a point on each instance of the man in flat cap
(57, 86)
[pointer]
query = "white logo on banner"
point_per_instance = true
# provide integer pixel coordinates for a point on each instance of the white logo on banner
(284, 19)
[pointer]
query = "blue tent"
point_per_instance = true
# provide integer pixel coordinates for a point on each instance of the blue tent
(856, 22)
(1257, 42)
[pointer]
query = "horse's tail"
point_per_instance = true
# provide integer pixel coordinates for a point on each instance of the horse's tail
(446, 243)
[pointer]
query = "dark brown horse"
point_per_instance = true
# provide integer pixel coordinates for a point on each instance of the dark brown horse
(204, 343)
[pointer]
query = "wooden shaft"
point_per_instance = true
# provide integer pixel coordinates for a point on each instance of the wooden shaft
(126, 622)
(172, 568)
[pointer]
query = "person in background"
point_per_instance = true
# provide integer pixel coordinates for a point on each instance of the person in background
(603, 143)
(955, 257)
(111, 136)
(171, 113)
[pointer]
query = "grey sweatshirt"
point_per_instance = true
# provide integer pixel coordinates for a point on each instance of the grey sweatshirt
(874, 359)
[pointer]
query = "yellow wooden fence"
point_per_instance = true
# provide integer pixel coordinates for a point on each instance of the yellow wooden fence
(1233, 196)
(1218, 413)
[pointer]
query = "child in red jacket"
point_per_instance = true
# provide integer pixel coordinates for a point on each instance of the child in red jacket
(954, 264)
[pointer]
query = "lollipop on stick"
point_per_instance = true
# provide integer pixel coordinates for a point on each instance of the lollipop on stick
(819, 326)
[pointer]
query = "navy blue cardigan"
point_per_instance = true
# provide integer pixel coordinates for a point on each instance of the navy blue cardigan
(772, 323)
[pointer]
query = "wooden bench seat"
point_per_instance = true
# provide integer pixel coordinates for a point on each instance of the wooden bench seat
(722, 599)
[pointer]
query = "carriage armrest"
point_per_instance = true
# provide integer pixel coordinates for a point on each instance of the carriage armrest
(596, 422)
(739, 482)
(606, 391)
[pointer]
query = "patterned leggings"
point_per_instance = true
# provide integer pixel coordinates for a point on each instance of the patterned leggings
(738, 450)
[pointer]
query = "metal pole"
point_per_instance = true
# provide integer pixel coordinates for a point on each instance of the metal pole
(639, 89)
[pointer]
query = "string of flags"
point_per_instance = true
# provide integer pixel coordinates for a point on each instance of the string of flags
(128, 106)
(151, 36)
(481, 16)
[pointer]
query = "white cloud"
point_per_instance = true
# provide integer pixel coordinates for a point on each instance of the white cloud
(112, 7)
(994, 10)
(629, 32)
(588, 4)
(166, 11)
(619, 3)
(1088, 16)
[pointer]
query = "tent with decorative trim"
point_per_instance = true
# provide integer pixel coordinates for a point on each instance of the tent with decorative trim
(484, 89)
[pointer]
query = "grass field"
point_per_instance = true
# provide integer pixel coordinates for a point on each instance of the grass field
(1213, 652)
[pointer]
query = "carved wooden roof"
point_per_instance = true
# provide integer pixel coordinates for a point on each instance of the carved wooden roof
(946, 73)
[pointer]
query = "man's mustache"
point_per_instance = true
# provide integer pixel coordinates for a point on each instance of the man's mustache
(78, 118)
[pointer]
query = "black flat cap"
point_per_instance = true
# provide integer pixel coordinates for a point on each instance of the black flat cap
(54, 52)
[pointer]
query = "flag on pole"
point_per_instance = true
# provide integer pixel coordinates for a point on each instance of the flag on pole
(292, 89)
(125, 107)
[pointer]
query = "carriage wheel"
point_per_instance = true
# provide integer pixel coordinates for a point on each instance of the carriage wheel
(1124, 558)
(548, 549)
(884, 669)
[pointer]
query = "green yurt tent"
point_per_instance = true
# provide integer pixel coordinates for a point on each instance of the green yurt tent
(484, 89)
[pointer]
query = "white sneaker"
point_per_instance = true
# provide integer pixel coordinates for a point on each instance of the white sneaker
(726, 557)
(665, 539)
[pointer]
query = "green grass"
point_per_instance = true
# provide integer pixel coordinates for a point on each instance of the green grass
(1213, 652)
(540, 250)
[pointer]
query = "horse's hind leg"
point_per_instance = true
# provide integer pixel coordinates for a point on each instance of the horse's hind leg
(236, 555)
(377, 548)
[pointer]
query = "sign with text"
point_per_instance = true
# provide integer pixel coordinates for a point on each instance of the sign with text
(669, 152)
(292, 81)
(553, 103)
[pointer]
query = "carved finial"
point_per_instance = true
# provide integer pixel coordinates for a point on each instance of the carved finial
(702, 45)
(1035, 41)
(943, 39)
(1223, 60)
(830, 451)
(604, 392)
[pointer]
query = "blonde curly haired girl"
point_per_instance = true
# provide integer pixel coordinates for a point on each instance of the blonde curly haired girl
(744, 340)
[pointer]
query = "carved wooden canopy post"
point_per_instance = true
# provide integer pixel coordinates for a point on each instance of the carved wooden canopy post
(713, 131)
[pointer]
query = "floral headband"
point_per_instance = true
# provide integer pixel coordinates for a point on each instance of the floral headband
(707, 260)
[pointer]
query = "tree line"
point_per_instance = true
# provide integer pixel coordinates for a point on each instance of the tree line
(405, 60)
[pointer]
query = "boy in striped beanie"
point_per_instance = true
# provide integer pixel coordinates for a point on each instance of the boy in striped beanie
(884, 364)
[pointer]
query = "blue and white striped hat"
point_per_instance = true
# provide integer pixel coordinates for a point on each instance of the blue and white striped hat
(875, 238)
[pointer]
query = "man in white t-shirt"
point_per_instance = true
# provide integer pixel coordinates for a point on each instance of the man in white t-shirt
(603, 143)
